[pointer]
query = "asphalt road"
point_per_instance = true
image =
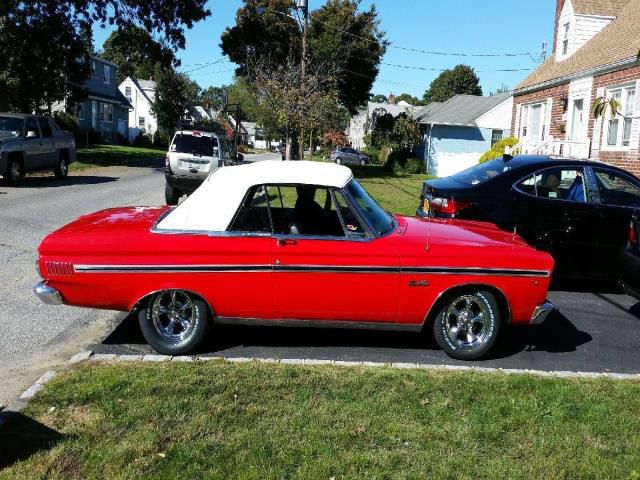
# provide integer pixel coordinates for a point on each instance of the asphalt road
(592, 332)
(34, 336)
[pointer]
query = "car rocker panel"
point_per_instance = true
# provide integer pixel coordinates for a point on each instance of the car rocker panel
(181, 267)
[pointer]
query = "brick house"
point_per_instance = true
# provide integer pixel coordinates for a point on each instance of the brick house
(595, 54)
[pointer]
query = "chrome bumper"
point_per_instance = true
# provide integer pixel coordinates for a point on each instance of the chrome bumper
(541, 312)
(47, 294)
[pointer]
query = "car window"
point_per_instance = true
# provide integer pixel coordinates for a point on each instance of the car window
(45, 128)
(556, 184)
(616, 189)
(483, 172)
(351, 223)
(253, 215)
(381, 221)
(10, 127)
(32, 126)
(304, 210)
(194, 144)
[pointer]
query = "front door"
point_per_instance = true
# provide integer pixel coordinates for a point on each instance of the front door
(555, 213)
(33, 148)
(327, 265)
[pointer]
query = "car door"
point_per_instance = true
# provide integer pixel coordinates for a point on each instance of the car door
(33, 151)
(617, 195)
(330, 267)
(48, 152)
(555, 214)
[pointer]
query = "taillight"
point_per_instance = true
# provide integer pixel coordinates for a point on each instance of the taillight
(633, 238)
(448, 206)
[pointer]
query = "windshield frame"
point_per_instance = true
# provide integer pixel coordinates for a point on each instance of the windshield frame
(364, 215)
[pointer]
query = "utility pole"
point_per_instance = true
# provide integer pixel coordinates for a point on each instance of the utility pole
(304, 6)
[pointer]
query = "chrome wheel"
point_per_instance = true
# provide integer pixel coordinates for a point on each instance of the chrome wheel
(15, 172)
(467, 321)
(174, 315)
(338, 161)
(63, 167)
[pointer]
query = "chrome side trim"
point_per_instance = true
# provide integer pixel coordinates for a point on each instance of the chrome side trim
(47, 294)
(353, 325)
(541, 312)
(309, 268)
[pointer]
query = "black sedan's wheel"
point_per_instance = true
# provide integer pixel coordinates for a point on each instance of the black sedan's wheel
(171, 195)
(174, 322)
(363, 162)
(14, 171)
(467, 326)
(339, 161)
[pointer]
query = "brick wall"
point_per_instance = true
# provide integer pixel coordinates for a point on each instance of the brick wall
(556, 93)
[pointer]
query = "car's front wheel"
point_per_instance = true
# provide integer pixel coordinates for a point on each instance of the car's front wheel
(62, 167)
(14, 172)
(339, 161)
(174, 322)
(363, 162)
(171, 195)
(467, 325)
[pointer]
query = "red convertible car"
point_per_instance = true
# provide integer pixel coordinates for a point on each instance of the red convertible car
(295, 243)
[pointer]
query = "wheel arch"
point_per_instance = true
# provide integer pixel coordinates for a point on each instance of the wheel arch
(443, 297)
(144, 300)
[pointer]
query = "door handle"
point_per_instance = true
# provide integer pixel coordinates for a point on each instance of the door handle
(286, 241)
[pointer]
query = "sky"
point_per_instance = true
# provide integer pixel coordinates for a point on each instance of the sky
(447, 26)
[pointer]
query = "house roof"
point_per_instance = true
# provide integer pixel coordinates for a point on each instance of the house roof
(617, 43)
(250, 127)
(461, 110)
(146, 87)
(605, 8)
(226, 187)
(394, 109)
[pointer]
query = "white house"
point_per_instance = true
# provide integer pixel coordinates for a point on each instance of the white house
(360, 123)
(140, 94)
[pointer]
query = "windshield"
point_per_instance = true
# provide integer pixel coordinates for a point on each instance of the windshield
(381, 221)
(202, 146)
(10, 127)
(482, 172)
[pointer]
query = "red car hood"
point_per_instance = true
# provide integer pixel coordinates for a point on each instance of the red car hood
(90, 230)
(458, 233)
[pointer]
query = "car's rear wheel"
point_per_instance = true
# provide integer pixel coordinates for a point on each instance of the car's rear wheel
(171, 195)
(14, 172)
(339, 161)
(62, 167)
(362, 162)
(174, 322)
(467, 325)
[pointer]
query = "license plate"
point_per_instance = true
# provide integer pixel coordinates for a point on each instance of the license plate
(425, 205)
(194, 166)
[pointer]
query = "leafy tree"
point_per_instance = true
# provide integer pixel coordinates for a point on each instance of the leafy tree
(410, 99)
(381, 128)
(175, 95)
(334, 138)
(379, 98)
(405, 133)
(498, 149)
(211, 97)
(460, 80)
(136, 53)
(352, 43)
(55, 33)
(504, 88)
(340, 38)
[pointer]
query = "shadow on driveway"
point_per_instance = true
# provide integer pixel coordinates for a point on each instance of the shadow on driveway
(557, 334)
(48, 182)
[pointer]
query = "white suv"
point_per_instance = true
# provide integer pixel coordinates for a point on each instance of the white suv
(192, 156)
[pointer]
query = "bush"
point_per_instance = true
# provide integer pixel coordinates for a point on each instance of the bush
(498, 149)
(414, 165)
(397, 159)
(122, 140)
(385, 151)
(143, 140)
(93, 137)
(243, 149)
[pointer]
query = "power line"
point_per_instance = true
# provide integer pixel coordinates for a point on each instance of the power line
(428, 69)
(205, 65)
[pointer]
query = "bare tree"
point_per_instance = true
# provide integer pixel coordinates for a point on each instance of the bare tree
(298, 102)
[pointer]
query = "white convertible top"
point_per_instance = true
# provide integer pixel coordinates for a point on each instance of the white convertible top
(212, 206)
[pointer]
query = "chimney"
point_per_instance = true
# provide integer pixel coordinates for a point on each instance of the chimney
(391, 98)
(559, 7)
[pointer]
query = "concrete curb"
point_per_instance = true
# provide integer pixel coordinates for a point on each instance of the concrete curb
(346, 363)
(22, 401)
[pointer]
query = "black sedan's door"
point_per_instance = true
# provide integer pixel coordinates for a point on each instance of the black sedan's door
(554, 213)
(617, 195)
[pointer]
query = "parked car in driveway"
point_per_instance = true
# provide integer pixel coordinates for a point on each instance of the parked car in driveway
(33, 143)
(295, 243)
(630, 259)
(192, 156)
(348, 156)
(577, 210)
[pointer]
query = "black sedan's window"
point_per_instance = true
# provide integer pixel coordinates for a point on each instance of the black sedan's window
(556, 184)
(616, 189)
(483, 171)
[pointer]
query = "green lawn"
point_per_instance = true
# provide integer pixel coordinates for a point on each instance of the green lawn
(109, 155)
(257, 421)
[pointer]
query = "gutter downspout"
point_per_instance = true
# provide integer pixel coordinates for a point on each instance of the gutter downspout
(429, 163)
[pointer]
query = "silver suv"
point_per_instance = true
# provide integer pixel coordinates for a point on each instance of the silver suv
(348, 155)
(192, 156)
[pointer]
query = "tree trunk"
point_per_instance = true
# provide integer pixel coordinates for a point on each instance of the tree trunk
(4, 97)
(311, 145)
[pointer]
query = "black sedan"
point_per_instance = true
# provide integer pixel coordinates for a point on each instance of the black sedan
(577, 210)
